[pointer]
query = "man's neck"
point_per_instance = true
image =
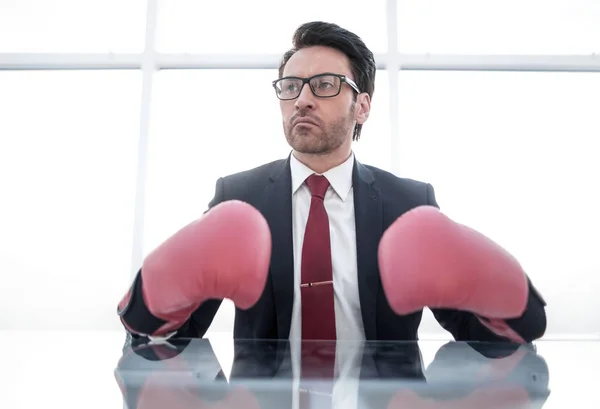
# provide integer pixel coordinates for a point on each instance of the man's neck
(322, 163)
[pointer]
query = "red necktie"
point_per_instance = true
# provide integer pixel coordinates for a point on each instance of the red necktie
(318, 316)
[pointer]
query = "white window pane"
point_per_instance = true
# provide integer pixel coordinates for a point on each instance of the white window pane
(72, 26)
(262, 26)
(205, 124)
(515, 155)
(211, 123)
(499, 27)
(68, 146)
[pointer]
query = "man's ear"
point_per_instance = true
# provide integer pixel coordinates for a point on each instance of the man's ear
(363, 108)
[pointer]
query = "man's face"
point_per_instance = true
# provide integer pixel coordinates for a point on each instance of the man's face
(331, 121)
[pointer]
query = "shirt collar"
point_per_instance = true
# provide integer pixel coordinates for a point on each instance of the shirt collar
(340, 177)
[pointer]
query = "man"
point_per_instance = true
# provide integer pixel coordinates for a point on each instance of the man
(326, 82)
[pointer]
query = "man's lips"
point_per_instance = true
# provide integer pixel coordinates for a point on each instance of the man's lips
(304, 121)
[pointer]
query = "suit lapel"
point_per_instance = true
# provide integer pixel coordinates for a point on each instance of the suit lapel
(369, 228)
(278, 212)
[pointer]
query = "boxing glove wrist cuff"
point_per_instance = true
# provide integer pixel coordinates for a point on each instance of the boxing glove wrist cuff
(135, 314)
(532, 324)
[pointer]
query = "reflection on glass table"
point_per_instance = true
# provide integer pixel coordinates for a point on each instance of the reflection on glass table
(186, 373)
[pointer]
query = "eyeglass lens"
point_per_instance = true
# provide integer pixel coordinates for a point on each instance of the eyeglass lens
(322, 86)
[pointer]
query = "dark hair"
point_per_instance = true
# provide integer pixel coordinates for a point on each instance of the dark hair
(362, 62)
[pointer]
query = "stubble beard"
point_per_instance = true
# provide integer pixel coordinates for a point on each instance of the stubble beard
(319, 141)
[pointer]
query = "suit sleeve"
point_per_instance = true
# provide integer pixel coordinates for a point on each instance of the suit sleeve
(139, 317)
(466, 326)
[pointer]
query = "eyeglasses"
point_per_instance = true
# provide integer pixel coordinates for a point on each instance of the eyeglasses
(322, 85)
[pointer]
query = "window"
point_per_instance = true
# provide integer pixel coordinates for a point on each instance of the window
(68, 162)
(262, 26)
(41, 26)
(512, 154)
(499, 27)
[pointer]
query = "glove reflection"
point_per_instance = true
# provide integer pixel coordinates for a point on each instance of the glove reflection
(185, 373)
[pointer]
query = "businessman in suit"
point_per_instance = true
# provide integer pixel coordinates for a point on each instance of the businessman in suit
(325, 85)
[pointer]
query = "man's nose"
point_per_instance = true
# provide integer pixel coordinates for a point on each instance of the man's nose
(306, 99)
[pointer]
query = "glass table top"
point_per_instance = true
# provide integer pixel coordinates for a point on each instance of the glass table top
(89, 369)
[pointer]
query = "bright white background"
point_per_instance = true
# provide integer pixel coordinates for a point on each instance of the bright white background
(98, 166)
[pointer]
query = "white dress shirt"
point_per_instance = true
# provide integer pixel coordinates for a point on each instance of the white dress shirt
(339, 203)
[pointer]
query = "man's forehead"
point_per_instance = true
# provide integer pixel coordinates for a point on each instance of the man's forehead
(317, 60)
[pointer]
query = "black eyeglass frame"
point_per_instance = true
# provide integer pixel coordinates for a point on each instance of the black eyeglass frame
(305, 81)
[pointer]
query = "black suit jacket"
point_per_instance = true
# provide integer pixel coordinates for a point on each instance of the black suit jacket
(379, 199)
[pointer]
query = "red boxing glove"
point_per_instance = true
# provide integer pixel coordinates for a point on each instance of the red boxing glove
(224, 254)
(428, 260)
